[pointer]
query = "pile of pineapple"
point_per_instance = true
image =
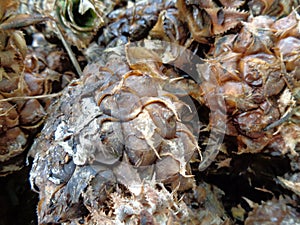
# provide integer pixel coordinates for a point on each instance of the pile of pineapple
(125, 142)
(28, 78)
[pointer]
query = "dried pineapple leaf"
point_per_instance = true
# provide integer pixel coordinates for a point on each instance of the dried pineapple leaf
(128, 176)
(22, 20)
(294, 186)
(143, 59)
(291, 136)
(166, 101)
(84, 6)
(224, 19)
(286, 100)
(17, 98)
(7, 8)
(232, 3)
(79, 20)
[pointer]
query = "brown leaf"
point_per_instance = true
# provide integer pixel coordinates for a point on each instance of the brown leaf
(224, 19)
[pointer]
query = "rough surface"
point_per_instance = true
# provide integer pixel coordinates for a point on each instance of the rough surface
(197, 123)
(115, 126)
(27, 76)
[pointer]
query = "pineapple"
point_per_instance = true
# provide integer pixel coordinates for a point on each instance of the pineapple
(256, 71)
(26, 80)
(278, 8)
(280, 209)
(117, 133)
(77, 20)
(132, 22)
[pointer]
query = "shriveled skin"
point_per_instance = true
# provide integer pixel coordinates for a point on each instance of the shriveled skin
(277, 8)
(256, 71)
(27, 79)
(205, 19)
(113, 126)
(123, 132)
(132, 23)
(277, 211)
